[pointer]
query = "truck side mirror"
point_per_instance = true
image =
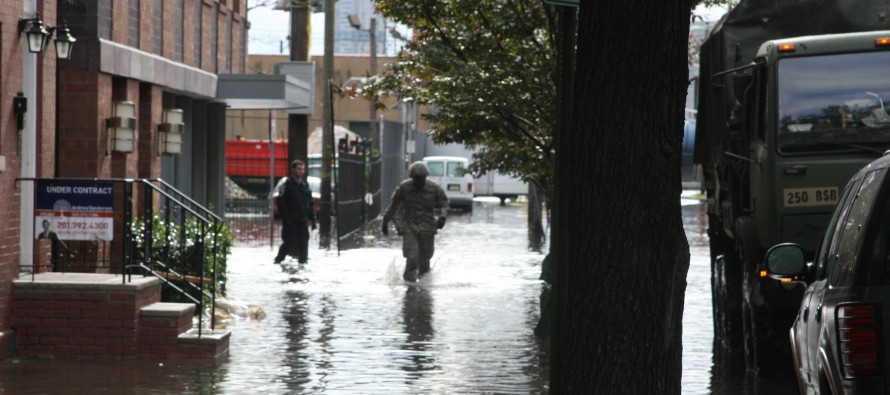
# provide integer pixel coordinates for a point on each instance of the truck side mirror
(736, 117)
(740, 85)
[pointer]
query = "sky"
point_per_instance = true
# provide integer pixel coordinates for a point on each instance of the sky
(269, 29)
(710, 13)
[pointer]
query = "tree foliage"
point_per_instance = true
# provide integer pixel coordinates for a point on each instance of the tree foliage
(486, 69)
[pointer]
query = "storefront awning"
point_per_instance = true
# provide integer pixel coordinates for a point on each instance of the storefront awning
(263, 92)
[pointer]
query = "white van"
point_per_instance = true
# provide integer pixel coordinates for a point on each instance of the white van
(449, 173)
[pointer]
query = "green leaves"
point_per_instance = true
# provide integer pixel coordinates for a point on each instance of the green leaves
(487, 68)
(173, 242)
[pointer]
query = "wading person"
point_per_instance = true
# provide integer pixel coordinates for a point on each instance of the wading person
(419, 207)
(297, 215)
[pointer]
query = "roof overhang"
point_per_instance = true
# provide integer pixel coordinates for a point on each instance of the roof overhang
(263, 92)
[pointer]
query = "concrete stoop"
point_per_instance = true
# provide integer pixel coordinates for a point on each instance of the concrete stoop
(166, 329)
(89, 315)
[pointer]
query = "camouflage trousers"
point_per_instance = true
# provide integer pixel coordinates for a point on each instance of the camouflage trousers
(418, 249)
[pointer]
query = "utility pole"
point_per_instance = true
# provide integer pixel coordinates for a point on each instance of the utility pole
(298, 124)
(327, 147)
(373, 132)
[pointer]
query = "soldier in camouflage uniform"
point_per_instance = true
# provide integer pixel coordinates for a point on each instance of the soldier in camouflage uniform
(419, 207)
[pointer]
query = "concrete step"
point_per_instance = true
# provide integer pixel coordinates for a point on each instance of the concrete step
(206, 344)
(166, 330)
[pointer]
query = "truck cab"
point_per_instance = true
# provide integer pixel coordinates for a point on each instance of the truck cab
(800, 120)
(817, 115)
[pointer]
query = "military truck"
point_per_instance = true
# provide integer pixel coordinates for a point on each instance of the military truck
(791, 104)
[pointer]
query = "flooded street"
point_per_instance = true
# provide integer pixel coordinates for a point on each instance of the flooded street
(349, 324)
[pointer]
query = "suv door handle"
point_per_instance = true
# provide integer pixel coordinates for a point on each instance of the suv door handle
(806, 311)
(819, 313)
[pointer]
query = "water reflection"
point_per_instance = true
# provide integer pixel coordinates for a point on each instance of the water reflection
(417, 319)
(296, 366)
(706, 372)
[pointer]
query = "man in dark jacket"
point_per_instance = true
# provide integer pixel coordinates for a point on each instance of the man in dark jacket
(295, 206)
(419, 207)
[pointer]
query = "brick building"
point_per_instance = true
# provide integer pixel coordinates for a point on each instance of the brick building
(148, 56)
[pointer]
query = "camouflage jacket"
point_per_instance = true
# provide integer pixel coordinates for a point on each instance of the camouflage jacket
(415, 210)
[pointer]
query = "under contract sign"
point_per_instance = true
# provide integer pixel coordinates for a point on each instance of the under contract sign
(74, 210)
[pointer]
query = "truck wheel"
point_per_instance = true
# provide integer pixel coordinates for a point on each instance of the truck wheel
(762, 350)
(726, 300)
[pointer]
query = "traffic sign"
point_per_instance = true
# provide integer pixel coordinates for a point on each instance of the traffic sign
(567, 3)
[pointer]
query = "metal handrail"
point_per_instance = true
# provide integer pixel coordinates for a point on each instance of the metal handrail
(204, 223)
(172, 199)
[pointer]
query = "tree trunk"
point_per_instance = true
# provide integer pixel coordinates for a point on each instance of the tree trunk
(620, 252)
(536, 236)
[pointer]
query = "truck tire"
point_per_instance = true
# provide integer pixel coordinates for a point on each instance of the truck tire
(726, 298)
(763, 351)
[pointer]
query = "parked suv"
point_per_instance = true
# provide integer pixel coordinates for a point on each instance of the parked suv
(841, 337)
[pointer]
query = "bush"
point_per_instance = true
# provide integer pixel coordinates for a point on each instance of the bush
(174, 245)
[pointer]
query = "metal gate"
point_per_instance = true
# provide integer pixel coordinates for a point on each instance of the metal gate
(358, 195)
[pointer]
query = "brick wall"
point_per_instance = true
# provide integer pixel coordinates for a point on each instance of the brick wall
(11, 82)
(154, 26)
(81, 123)
(189, 22)
(206, 19)
(70, 323)
(150, 99)
(159, 335)
(85, 97)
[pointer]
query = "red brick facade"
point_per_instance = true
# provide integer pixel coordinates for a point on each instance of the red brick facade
(11, 82)
(85, 90)
(71, 323)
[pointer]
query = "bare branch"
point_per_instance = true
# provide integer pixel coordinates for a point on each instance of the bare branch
(260, 4)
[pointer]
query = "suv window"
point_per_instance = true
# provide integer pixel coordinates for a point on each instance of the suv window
(828, 240)
(437, 169)
(853, 229)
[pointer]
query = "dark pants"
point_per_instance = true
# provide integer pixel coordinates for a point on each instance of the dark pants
(295, 242)
(417, 249)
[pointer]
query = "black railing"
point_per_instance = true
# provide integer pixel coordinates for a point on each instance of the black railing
(175, 239)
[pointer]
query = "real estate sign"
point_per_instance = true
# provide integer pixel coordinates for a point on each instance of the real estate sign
(74, 210)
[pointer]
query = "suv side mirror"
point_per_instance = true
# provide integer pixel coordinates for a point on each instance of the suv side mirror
(786, 262)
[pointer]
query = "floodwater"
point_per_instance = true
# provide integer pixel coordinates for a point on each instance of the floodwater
(348, 324)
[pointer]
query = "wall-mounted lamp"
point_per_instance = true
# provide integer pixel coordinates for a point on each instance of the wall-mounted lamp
(170, 132)
(64, 41)
(34, 31)
(122, 127)
(38, 36)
